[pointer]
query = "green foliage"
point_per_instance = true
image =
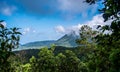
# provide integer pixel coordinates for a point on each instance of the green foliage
(68, 62)
(26, 68)
(48, 62)
(108, 48)
(9, 39)
(45, 63)
(115, 60)
(101, 54)
(106, 56)
(86, 36)
(71, 62)
(88, 42)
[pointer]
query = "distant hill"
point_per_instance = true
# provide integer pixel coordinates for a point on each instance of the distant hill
(39, 43)
(68, 40)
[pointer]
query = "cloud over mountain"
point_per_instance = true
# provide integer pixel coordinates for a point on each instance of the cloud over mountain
(60, 29)
(97, 20)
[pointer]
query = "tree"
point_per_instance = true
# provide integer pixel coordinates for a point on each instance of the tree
(9, 39)
(86, 36)
(87, 42)
(105, 58)
(46, 61)
(68, 62)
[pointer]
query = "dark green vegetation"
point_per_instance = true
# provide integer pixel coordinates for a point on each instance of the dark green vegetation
(98, 51)
(106, 57)
(9, 39)
(54, 59)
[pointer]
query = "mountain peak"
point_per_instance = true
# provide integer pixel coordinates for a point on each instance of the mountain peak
(73, 33)
(68, 40)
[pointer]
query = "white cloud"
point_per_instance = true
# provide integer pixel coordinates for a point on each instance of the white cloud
(97, 20)
(76, 7)
(34, 31)
(8, 10)
(76, 28)
(71, 5)
(60, 29)
(28, 30)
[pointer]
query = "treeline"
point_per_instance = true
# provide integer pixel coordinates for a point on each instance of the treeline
(54, 59)
(47, 61)
(27, 54)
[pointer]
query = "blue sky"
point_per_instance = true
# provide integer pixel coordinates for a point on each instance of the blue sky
(47, 19)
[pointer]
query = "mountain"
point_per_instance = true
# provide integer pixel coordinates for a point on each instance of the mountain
(35, 45)
(68, 40)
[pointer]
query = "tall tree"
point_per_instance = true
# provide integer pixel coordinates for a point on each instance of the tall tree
(9, 39)
(87, 42)
(86, 36)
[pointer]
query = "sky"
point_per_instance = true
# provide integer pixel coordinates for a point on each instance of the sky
(48, 19)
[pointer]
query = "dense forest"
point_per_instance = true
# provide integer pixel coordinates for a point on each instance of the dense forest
(99, 52)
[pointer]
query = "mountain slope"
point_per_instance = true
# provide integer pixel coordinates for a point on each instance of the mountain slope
(39, 43)
(68, 40)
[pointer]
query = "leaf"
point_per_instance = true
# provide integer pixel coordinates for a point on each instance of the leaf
(13, 37)
(18, 33)
(2, 26)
